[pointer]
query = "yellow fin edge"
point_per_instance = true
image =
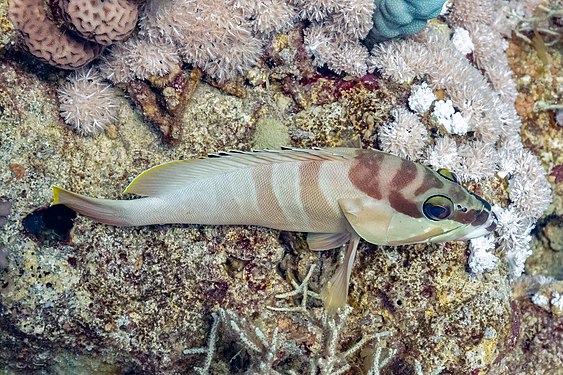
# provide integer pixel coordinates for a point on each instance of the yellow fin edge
(131, 187)
(56, 194)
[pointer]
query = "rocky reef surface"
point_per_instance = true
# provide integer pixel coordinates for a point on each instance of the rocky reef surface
(84, 298)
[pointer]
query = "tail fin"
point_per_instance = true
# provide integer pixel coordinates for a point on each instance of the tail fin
(105, 211)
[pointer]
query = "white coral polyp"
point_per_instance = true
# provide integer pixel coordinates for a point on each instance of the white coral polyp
(481, 259)
(443, 111)
(462, 41)
(421, 98)
(87, 104)
(405, 137)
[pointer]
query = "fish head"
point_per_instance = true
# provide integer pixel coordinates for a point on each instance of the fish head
(445, 212)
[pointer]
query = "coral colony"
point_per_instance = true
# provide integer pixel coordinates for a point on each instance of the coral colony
(459, 114)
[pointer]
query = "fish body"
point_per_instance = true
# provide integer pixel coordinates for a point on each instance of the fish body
(337, 195)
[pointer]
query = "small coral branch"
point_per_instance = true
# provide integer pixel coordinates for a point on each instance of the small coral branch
(542, 23)
(269, 353)
(302, 288)
(209, 350)
(335, 362)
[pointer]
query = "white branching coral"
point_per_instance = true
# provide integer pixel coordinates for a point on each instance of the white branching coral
(225, 38)
(481, 21)
(404, 137)
(433, 55)
(337, 54)
(481, 259)
(452, 121)
(268, 351)
(217, 36)
(139, 58)
(87, 104)
(146, 59)
(421, 98)
(529, 191)
(333, 37)
(514, 238)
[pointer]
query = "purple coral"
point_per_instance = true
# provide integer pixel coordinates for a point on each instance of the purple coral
(87, 104)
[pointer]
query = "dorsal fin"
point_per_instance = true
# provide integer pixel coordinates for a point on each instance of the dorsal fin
(176, 174)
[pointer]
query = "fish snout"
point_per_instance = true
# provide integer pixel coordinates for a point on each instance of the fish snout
(482, 228)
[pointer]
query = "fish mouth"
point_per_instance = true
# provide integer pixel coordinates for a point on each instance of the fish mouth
(488, 227)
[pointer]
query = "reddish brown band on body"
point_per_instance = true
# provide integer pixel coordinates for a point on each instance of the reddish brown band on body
(481, 218)
(404, 176)
(365, 171)
(430, 181)
(404, 205)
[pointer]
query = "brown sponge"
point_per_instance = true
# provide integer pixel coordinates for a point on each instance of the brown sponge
(101, 21)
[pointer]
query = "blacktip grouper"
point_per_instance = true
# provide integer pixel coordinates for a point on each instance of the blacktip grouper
(337, 195)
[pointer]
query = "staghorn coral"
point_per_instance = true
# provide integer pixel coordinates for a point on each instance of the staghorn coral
(87, 104)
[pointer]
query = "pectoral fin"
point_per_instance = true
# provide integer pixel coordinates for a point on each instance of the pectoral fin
(370, 218)
(326, 241)
(335, 292)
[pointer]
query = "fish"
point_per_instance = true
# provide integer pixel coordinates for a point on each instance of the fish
(337, 195)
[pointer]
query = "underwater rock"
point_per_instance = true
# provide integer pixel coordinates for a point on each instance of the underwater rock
(144, 299)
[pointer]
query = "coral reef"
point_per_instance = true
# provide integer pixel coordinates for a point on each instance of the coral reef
(40, 36)
(101, 21)
(235, 300)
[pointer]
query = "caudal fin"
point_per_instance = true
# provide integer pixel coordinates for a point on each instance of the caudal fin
(102, 210)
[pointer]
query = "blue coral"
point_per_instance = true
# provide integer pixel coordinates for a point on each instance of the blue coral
(394, 18)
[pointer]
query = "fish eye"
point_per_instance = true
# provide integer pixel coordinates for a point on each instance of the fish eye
(447, 174)
(438, 207)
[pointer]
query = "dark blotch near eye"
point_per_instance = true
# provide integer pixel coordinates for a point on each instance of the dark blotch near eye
(54, 222)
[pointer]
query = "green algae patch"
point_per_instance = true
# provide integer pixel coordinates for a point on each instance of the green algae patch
(270, 133)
